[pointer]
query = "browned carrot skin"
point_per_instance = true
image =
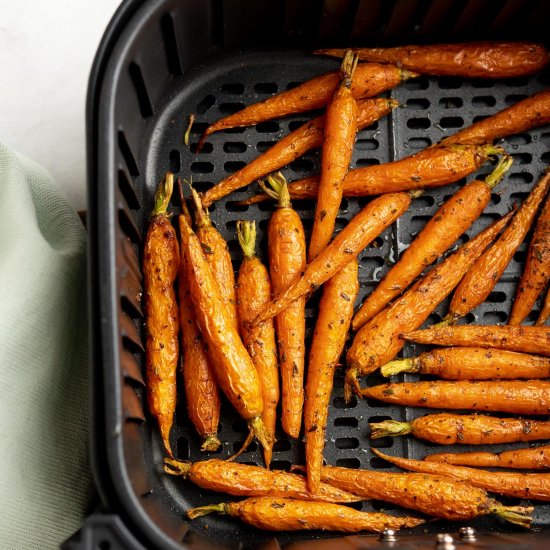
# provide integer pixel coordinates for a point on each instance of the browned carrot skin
(545, 311)
(370, 80)
(379, 340)
(523, 116)
(287, 260)
(514, 484)
(160, 269)
(244, 480)
(451, 220)
(469, 60)
(523, 339)
(434, 495)
(463, 363)
(482, 277)
(234, 370)
(253, 292)
(329, 337)
(279, 514)
(358, 233)
(433, 167)
(294, 145)
(536, 273)
(339, 137)
(472, 429)
(511, 396)
(537, 458)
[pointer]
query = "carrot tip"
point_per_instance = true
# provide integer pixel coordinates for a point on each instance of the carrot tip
(176, 467)
(389, 428)
(205, 510)
(211, 443)
(351, 384)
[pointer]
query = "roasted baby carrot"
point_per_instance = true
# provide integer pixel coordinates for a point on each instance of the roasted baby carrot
(469, 60)
(537, 458)
(510, 396)
(536, 272)
(244, 480)
(434, 495)
(339, 137)
(234, 370)
(294, 145)
(253, 292)
(379, 340)
(514, 484)
(451, 220)
(358, 233)
(281, 514)
(471, 429)
(545, 310)
(160, 269)
(432, 167)
(329, 337)
(287, 259)
(370, 80)
(523, 339)
(462, 363)
(523, 116)
(481, 278)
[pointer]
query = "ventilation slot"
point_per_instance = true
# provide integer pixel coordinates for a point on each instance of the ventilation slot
(175, 161)
(130, 335)
(129, 158)
(128, 191)
(170, 44)
(145, 105)
(130, 368)
(128, 225)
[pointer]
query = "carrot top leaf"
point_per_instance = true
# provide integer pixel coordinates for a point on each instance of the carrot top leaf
(205, 510)
(278, 189)
(389, 428)
(498, 173)
(176, 467)
(163, 195)
(246, 233)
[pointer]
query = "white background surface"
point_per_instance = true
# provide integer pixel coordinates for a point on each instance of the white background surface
(46, 52)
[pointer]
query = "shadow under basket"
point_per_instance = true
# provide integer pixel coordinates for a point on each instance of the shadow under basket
(162, 60)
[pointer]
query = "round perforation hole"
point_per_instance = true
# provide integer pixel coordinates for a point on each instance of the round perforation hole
(266, 87)
(346, 443)
(234, 147)
(346, 422)
(353, 463)
(235, 88)
(202, 167)
(417, 104)
(419, 143)
(451, 102)
(233, 166)
(367, 144)
(231, 108)
(340, 403)
(418, 123)
(420, 83)
(451, 122)
(484, 101)
(267, 127)
(363, 163)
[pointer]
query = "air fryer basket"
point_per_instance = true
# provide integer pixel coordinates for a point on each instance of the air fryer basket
(164, 59)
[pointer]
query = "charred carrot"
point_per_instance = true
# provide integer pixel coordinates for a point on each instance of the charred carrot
(481, 278)
(433, 167)
(523, 116)
(469, 60)
(253, 292)
(434, 495)
(471, 429)
(287, 259)
(462, 363)
(358, 233)
(294, 145)
(379, 340)
(234, 370)
(216, 254)
(339, 137)
(244, 480)
(370, 80)
(329, 337)
(545, 311)
(514, 484)
(160, 269)
(523, 339)
(510, 396)
(537, 458)
(280, 514)
(451, 220)
(536, 272)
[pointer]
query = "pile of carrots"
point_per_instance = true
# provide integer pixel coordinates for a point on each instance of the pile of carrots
(244, 337)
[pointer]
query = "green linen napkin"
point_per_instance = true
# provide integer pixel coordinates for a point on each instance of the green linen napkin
(45, 479)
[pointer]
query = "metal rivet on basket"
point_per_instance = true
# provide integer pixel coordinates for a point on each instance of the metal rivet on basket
(467, 534)
(388, 535)
(445, 541)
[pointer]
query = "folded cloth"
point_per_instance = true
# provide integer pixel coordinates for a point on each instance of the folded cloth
(45, 479)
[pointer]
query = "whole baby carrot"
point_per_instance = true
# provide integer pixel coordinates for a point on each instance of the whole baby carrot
(370, 80)
(339, 137)
(160, 269)
(294, 145)
(253, 292)
(454, 217)
(514, 484)
(379, 340)
(463, 363)
(471, 429)
(537, 458)
(481, 278)
(469, 59)
(536, 272)
(287, 259)
(280, 514)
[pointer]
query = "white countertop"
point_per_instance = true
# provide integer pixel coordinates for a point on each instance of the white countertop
(46, 51)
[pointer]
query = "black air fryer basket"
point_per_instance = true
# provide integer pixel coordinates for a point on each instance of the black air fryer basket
(161, 60)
